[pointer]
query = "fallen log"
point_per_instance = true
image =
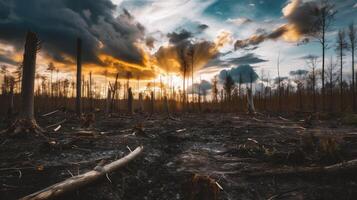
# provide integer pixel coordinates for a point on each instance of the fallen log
(75, 182)
(50, 113)
(343, 167)
(56, 124)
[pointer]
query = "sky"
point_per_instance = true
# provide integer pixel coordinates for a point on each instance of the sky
(146, 37)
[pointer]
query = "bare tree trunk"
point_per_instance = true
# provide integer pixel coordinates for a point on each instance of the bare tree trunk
(251, 108)
(323, 71)
(152, 103)
(76, 182)
(166, 107)
(114, 90)
(90, 93)
(10, 110)
(79, 76)
(130, 101)
(353, 69)
(28, 79)
(184, 91)
(141, 102)
(26, 122)
(108, 103)
(341, 80)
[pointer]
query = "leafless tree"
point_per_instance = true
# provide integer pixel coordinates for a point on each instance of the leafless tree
(182, 56)
(324, 18)
(4, 72)
(51, 67)
(279, 81)
(352, 35)
(215, 89)
(311, 61)
(228, 86)
(79, 76)
(332, 76)
(341, 46)
(191, 54)
(26, 122)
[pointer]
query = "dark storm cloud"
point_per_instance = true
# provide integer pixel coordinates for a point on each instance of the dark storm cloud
(299, 72)
(59, 22)
(247, 59)
(257, 39)
(150, 42)
(7, 59)
(202, 27)
(176, 38)
(240, 74)
(281, 79)
(302, 18)
(179, 52)
(199, 88)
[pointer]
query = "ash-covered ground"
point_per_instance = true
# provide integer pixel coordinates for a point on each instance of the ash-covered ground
(233, 150)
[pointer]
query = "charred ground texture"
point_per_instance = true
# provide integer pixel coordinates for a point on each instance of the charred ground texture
(234, 151)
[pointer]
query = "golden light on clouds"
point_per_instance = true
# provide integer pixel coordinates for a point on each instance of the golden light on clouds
(291, 7)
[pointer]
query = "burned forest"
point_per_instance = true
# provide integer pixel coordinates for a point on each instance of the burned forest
(171, 100)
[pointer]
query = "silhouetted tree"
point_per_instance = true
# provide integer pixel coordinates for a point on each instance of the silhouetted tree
(191, 54)
(352, 35)
(324, 17)
(26, 122)
(312, 63)
(51, 67)
(332, 79)
(228, 86)
(215, 89)
(184, 69)
(79, 76)
(130, 101)
(341, 46)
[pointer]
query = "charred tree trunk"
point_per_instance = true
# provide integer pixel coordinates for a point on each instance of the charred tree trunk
(141, 102)
(28, 79)
(152, 103)
(130, 101)
(79, 76)
(76, 182)
(251, 108)
(108, 103)
(91, 106)
(26, 122)
(10, 110)
(166, 107)
(114, 90)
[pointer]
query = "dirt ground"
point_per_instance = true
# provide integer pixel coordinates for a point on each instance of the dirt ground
(225, 147)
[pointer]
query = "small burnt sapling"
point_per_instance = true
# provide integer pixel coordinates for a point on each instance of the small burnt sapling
(25, 122)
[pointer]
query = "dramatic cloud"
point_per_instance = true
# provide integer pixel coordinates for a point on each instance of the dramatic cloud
(299, 72)
(200, 88)
(247, 59)
(239, 21)
(281, 79)
(240, 74)
(59, 22)
(176, 38)
(202, 27)
(150, 41)
(171, 57)
(302, 18)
